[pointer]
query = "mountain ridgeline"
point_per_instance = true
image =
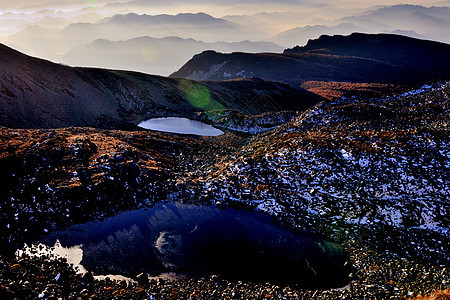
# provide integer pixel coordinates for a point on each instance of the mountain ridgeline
(35, 93)
(357, 58)
(153, 56)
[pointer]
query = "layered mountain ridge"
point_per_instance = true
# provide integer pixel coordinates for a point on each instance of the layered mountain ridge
(40, 94)
(153, 56)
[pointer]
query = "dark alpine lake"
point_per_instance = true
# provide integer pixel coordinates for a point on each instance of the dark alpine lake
(196, 240)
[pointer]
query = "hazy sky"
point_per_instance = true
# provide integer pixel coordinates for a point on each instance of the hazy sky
(17, 4)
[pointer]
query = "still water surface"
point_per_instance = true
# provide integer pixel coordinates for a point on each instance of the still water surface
(180, 125)
(197, 240)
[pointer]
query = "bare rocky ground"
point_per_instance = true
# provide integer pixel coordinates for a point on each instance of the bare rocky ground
(371, 174)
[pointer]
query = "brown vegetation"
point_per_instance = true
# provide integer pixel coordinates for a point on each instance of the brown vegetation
(334, 89)
(438, 295)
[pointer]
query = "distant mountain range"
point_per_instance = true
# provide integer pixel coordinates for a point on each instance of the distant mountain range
(154, 56)
(411, 20)
(301, 35)
(186, 25)
(430, 22)
(51, 43)
(357, 58)
(39, 94)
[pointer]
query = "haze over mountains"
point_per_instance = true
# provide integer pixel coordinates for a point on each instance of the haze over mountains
(71, 36)
(151, 55)
(122, 27)
(416, 21)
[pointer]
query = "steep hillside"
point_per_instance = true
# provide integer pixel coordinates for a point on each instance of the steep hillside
(357, 58)
(39, 94)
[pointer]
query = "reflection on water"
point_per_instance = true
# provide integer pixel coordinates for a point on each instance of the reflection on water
(180, 125)
(191, 239)
(73, 254)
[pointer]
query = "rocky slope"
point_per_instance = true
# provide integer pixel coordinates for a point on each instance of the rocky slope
(52, 178)
(357, 58)
(233, 120)
(380, 165)
(369, 173)
(35, 93)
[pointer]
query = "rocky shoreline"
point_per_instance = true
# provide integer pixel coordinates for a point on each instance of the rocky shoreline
(31, 278)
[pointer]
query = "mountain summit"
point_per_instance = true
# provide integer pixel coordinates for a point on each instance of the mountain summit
(393, 49)
(357, 58)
